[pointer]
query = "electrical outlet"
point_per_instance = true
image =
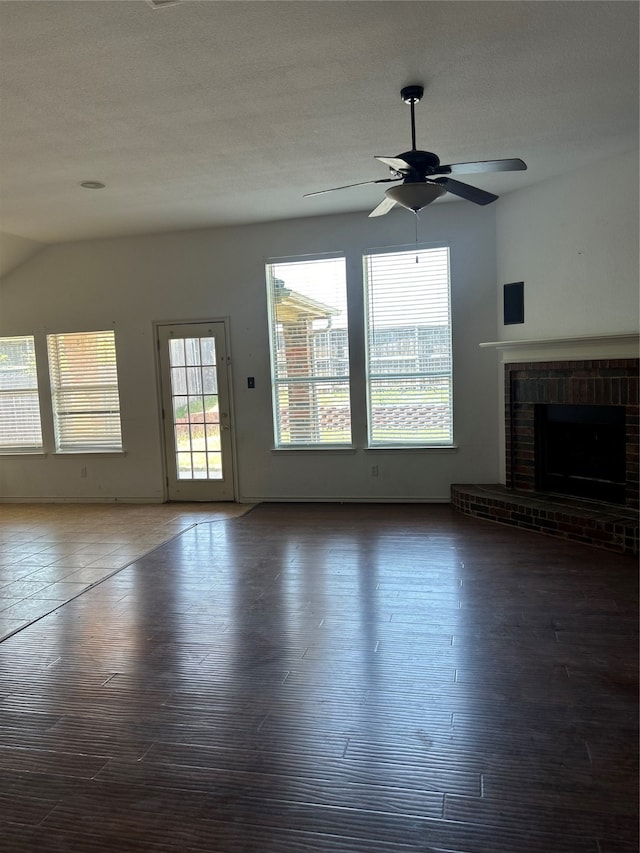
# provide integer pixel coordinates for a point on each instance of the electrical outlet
(374, 471)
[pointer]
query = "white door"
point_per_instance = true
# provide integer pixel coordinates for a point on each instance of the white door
(194, 378)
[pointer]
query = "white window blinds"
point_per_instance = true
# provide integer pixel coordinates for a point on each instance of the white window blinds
(309, 352)
(84, 391)
(20, 430)
(409, 364)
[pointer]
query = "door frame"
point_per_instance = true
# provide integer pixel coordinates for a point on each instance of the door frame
(232, 417)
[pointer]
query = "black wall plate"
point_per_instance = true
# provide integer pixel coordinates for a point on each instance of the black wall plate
(514, 303)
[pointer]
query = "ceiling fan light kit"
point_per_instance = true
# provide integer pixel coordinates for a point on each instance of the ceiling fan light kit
(415, 196)
(423, 177)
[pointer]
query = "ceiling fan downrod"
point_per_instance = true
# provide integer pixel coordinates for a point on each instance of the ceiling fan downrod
(412, 95)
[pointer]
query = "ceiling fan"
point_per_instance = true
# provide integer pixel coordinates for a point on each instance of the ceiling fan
(423, 178)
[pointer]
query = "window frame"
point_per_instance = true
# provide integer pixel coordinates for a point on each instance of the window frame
(104, 444)
(14, 393)
(278, 382)
(370, 377)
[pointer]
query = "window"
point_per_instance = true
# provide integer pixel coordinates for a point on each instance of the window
(84, 391)
(309, 352)
(20, 430)
(408, 347)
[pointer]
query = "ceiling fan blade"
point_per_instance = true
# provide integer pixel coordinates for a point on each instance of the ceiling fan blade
(384, 207)
(473, 194)
(513, 165)
(395, 163)
(347, 186)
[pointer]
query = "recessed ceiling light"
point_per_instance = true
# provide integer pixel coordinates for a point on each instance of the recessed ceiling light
(92, 185)
(160, 4)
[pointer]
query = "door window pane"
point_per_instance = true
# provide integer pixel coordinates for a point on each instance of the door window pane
(195, 408)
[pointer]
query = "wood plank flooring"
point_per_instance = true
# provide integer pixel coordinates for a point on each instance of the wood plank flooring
(330, 678)
(49, 553)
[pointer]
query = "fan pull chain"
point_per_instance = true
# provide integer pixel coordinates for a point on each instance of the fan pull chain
(416, 216)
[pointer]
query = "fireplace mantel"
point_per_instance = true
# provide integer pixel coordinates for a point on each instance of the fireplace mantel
(625, 345)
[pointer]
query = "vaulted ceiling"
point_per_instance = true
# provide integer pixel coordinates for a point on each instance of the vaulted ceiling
(213, 113)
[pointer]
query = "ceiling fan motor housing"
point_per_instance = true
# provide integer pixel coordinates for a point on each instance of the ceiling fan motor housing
(422, 162)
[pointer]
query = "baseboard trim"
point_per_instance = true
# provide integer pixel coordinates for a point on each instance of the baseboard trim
(40, 499)
(342, 499)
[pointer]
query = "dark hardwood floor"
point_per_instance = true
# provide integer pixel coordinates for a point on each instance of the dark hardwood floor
(348, 679)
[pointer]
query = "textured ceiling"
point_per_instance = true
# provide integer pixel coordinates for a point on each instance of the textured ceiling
(211, 113)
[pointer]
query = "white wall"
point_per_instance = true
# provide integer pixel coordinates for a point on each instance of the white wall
(16, 250)
(128, 283)
(573, 240)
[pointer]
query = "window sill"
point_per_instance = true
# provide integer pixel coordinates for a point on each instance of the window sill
(317, 448)
(411, 448)
(106, 453)
(391, 448)
(39, 453)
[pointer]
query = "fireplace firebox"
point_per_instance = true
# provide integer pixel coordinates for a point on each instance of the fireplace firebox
(580, 450)
(582, 416)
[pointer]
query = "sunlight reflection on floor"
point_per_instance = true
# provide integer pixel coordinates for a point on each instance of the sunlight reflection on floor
(50, 553)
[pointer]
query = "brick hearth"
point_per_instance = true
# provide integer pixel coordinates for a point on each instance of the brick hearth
(608, 526)
(612, 382)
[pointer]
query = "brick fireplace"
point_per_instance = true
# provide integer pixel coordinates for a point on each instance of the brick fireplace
(604, 390)
(610, 384)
